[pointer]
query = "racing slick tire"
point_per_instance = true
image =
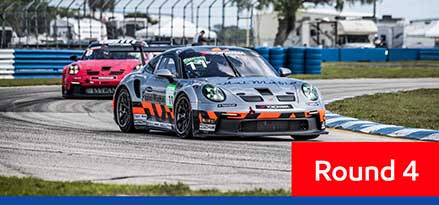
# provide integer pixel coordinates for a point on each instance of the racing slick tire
(303, 138)
(66, 94)
(123, 111)
(183, 117)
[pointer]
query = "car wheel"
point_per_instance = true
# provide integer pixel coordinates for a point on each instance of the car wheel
(183, 117)
(124, 112)
(302, 138)
(65, 93)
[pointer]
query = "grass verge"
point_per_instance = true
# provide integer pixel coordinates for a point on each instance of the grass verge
(412, 69)
(27, 186)
(416, 109)
(28, 82)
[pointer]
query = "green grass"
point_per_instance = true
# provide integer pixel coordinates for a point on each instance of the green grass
(28, 82)
(412, 69)
(27, 186)
(417, 109)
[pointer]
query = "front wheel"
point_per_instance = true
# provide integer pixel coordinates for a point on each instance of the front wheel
(123, 111)
(303, 138)
(183, 117)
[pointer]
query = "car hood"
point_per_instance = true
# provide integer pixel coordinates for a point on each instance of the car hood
(255, 85)
(114, 65)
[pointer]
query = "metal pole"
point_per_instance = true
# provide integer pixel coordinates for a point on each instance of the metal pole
(172, 21)
(147, 14)
(123, 22)
(209, 18)
(56, 26)
(198, 15)
(26, 9)
(252, 42)
(3, 24)
(135, 16)
(184, 20)
(237, 23)
(79, 23)
(91, 17)
(46, 21)
(68, 8)
(115, 27)
(160, 16)
(374, 10)
(102, 25)
(36, 21)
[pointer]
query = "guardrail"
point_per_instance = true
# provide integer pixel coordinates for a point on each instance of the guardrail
(26, 63)
(6, 63)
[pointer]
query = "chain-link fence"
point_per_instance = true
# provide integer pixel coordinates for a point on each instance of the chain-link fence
(74, 23)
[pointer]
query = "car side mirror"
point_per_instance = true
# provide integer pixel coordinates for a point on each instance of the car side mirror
(73, 58)
(284, 72)
(164, 73)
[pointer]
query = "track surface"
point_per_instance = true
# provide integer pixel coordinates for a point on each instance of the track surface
(45, 136)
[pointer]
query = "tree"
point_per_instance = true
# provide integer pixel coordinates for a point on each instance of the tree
(230, 34)
(286, 12)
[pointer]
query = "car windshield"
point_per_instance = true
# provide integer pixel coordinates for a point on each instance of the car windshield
(104, 54)
(225, 64)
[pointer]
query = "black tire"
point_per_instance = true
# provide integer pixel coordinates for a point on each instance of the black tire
(65, 93)
(123, 112)
(183, 121)
(303, 138)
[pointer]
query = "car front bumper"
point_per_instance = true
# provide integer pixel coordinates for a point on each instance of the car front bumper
(259, 124)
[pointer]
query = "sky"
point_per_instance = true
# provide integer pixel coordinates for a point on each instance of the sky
(408, 9)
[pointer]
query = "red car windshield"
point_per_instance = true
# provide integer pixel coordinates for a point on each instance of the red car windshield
(105, 54)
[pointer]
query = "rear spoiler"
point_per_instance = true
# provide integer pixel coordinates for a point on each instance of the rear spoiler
(159, 49)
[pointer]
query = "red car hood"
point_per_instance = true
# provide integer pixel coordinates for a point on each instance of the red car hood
(108, 65)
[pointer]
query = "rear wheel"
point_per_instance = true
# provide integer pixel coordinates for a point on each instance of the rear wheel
(65, 94)
(303, 138)
(123, 111)
(183, 117)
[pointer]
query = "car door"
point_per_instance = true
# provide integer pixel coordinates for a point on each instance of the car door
(158, 92)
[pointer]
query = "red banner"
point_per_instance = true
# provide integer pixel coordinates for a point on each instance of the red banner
(365, 169)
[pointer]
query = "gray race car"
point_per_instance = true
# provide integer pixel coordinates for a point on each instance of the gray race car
(217, 91)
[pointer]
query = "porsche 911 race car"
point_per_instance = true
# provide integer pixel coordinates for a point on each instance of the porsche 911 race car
(217, 91)
(102, 66)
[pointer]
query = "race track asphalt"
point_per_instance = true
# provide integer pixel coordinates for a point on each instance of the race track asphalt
(42, 135)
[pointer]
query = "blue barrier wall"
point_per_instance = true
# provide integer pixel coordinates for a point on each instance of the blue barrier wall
(429, 54)
(330, 54)
(363, 54)
(296, 60)
(403, 54)
(42, 63)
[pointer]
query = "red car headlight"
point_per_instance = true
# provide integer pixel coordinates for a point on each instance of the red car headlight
(73, 69)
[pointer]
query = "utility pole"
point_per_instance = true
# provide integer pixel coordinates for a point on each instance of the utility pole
(374, 10)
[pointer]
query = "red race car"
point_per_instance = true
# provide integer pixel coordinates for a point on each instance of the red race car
(102, 67)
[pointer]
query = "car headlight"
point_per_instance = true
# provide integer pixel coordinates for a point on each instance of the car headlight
(213, 93)
(73, 69)
(310, 92)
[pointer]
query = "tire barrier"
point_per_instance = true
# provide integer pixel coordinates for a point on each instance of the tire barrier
(6, 64)
(41, 63)
(313, 61)
(264, 52)
(277, 57)
(296, 60)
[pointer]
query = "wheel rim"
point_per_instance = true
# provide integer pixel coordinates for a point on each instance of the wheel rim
(123, 109)
(182, 116)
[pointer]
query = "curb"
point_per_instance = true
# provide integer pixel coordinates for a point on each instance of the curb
(368, 127)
